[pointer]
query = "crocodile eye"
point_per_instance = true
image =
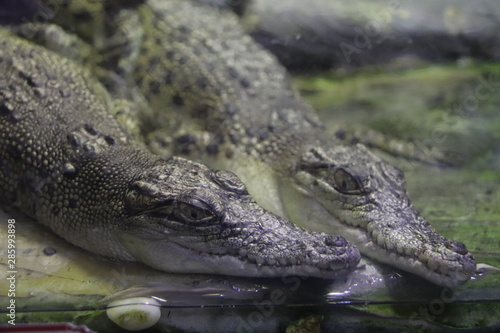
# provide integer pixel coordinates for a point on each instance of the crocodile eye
(195, 211)
(345, 183)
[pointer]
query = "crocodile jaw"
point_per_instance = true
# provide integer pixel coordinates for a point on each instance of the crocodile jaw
(183, 258)
(434, 262)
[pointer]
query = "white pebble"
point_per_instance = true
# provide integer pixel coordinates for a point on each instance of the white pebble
(134, 314)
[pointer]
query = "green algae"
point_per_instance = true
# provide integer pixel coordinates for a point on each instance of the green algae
(450, 107)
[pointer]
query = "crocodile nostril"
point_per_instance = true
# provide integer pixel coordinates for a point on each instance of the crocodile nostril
(331, 240)
(456, 247)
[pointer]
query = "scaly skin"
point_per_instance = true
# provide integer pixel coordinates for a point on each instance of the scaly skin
(233, 108)
(66, 162)
(243, 98)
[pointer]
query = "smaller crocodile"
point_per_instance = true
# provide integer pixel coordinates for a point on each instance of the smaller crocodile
(66, 162)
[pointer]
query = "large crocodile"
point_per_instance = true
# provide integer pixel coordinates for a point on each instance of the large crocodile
(65, 161)
(233, 108)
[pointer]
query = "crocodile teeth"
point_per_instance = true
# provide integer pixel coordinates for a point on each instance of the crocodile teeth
(271, 261)
(389, 246)
(432, 265)
(325, 265)
(283, 261)
(380, 240)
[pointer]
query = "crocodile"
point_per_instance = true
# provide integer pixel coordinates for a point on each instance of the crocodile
(261, 129)
(233, 107)
(66, 162)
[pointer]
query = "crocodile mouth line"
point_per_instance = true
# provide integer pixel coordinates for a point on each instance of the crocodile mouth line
(325, 268)
(450, 270)
(438, 271)
(434, 271)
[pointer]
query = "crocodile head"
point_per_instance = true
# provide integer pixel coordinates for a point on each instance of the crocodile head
(359, 196)
(185, 217)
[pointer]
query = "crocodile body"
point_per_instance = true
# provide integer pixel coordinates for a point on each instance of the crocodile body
(232, 107)
(258, 127)
(66, 162)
